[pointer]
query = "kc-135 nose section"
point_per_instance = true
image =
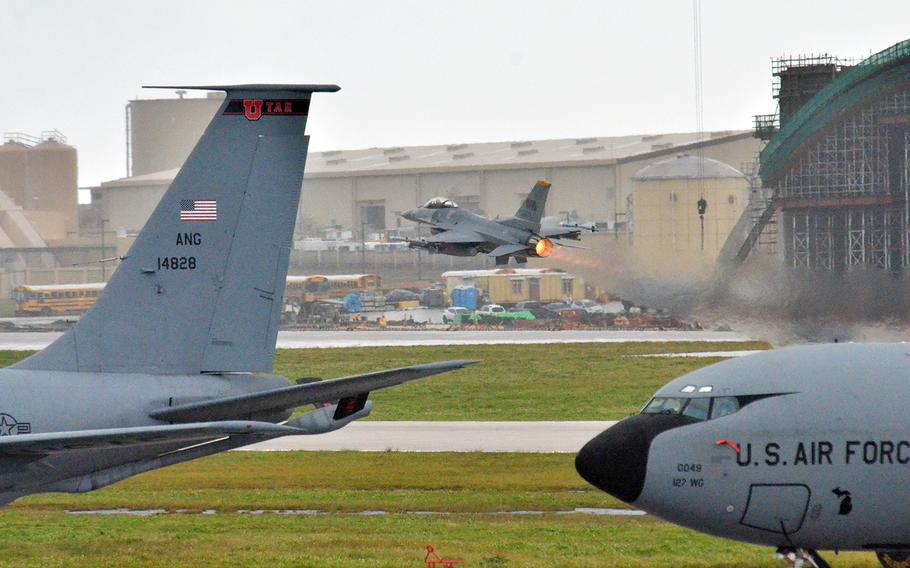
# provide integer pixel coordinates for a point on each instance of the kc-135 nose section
(616, 460)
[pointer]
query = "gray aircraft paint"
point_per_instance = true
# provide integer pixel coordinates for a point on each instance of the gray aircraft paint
(824, 463)
(458, 232)
(171, 362)
(199, 320)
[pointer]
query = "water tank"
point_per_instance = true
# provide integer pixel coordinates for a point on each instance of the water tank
(52, 181)
(13, 170)
(163, 132)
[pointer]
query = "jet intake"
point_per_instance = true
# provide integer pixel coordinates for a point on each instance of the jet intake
(542, 247)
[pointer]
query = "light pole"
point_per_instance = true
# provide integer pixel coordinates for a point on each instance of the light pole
(363, 247)
(103, 268)
(419, 258)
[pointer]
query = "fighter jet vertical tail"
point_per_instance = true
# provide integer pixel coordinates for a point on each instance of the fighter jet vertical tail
(200, 290)
(534, 204)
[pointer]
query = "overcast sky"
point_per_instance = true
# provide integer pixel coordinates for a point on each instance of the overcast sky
(420, 72)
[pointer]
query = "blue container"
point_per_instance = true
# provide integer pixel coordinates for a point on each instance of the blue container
(465, 297)
(352, 303)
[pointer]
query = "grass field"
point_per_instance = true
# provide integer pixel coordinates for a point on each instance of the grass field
(583, 381)
(383, 509)
(473, 490)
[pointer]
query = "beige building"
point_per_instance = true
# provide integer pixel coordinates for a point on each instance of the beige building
(369, 188)
(667, 228)
(512, 285)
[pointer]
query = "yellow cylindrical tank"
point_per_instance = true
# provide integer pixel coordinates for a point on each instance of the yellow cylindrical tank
(669, 233)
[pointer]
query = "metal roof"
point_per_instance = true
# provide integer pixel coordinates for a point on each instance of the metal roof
(686, 166)
(504, 272)
(485, 155)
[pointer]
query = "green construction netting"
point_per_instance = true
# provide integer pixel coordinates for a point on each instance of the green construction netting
(852, 86)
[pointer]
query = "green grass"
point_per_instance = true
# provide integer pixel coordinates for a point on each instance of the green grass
(581, 381)
(513, 382)
(37, 532)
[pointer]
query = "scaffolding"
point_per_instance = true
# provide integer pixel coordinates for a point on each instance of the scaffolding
(844, 198)
(798, 79)
(837, 163)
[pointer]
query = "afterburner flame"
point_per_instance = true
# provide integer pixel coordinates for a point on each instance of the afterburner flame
(544, 247)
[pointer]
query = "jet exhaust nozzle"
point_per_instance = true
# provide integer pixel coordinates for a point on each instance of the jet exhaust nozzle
(543, 247)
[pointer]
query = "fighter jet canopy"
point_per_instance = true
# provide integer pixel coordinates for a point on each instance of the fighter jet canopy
(440, 203)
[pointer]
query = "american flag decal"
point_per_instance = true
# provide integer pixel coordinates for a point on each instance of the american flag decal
(198, 210)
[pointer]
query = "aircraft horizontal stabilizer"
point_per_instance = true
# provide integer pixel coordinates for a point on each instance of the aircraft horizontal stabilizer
(56, 442)
(299, 395)
(567, 245)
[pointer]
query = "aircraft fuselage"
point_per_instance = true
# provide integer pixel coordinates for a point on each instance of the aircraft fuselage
(814, 453)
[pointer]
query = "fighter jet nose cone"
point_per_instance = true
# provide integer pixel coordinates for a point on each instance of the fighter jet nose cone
(615, 461)
(409, 214)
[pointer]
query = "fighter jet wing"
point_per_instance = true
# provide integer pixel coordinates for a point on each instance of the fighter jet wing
(567, 245)
(56, 442)
(455, 236)
(291, 397)
(560, 233)
(504, 250)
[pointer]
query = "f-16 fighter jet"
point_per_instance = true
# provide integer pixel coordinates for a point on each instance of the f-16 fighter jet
(459, 232)
(174, 360)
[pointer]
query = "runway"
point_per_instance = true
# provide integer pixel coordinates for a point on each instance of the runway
(522, 437)
(19, 340)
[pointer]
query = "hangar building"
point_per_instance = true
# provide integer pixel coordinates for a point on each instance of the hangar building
(838, 162)
(365, 190)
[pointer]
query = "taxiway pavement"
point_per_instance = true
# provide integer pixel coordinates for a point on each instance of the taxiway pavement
(417, 436)
(309, 339)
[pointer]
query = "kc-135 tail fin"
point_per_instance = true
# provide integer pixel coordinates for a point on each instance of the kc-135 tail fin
(200, 290)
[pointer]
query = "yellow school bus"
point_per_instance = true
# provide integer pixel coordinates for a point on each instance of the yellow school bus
(69, 299)
(317, 287)
(56, 299)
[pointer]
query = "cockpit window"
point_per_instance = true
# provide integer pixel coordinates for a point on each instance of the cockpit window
(724, 406)
(440, 203)
(702, 408)
(698, 408)
(662, 405)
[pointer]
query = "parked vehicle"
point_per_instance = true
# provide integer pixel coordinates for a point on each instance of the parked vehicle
(448, 315)
(491, 309)
(398, 296)
(433, 297)
(535, 308)
(590, 306)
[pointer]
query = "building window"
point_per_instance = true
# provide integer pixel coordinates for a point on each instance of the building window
(731, 200)
(673, 197)
(567, 286)
(517, 287)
